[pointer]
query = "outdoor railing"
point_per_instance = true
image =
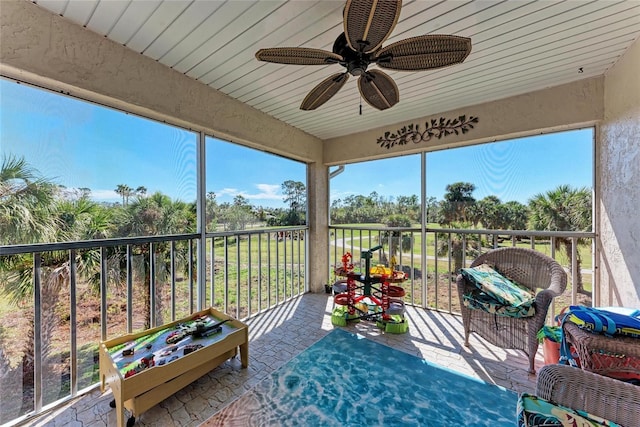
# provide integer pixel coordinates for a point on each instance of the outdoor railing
(445, 250)
(73, 295)
(76, 294)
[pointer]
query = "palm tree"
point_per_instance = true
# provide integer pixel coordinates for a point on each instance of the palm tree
(457, 204)
(152, 216)
(125, 192)
(455, 250)
(26, 200)
(141, 191)
(30, 212)
(563, 209)
(27, 216)
(515, 215)
(120, 189)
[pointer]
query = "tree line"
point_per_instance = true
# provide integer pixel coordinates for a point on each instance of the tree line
(33, 209)
(561, 209)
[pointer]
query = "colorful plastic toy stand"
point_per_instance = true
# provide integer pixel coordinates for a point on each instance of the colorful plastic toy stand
(370, 296)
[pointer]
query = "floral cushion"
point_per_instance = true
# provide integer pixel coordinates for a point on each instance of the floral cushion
(479, 300)
(535, 411)
(496, 294)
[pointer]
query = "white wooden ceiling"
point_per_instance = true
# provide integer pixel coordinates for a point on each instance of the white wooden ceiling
(518, 47)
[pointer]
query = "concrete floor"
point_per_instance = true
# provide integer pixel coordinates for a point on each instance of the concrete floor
(279, 335)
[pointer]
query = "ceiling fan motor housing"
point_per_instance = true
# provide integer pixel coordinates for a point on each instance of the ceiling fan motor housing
(356, 63)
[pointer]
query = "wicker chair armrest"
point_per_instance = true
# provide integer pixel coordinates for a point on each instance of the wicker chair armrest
(542, 304)
(544, 298)
(558, 278)
(575, 388)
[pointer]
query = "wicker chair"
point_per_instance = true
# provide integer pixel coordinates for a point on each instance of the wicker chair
(599, 353)
(529, 268)
(602, 396)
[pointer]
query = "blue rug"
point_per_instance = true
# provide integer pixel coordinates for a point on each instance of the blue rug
(347, 380)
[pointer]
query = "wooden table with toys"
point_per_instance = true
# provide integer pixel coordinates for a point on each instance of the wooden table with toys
(144, 368)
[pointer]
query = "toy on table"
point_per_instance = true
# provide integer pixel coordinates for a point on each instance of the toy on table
(369, 296)
(198, 330)
(157, 353)
(147, 361)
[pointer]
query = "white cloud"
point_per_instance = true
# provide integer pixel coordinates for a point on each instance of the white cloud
(265, 192)
(105, 196)
(231, 192)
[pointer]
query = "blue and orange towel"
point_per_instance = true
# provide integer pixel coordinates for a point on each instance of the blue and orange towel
(605, 321)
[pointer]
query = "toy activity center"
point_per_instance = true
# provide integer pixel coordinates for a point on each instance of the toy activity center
(369, 294)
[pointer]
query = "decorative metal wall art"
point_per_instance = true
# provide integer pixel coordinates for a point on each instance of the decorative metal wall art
(437, 129)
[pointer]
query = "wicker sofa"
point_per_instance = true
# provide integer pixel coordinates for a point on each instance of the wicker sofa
(602, 396)
(529, 268)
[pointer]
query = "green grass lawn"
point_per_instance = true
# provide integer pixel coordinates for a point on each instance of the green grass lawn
(356, 239)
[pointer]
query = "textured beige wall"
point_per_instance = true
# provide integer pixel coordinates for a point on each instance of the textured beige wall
(619, 183)
(557, 108)
(42, 48)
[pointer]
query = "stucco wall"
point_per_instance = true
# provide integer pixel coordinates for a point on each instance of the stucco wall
(619, 183)
(557, 108)
(42, 48)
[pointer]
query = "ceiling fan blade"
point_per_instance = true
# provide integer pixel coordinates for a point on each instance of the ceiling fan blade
(298, 56)
(368, 23)
(378, 89)
(424, 52)
(324, 91)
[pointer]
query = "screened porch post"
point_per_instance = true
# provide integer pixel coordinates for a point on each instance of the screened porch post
(318, 222)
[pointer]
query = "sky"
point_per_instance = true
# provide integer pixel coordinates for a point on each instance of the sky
(81, 145)
(516, 169)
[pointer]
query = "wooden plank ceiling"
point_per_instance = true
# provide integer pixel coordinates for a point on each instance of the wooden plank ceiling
(518, 47)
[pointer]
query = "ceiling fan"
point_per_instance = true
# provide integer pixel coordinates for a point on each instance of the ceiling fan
(367, 24)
